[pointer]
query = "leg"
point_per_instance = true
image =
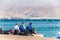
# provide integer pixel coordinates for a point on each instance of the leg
(15, 32)
(25, 32)
(32, 31)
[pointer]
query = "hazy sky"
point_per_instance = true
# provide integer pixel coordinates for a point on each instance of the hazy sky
(7, 4)
(4, 3)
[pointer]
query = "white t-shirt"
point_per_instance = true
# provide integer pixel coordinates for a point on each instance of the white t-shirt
(16, 27)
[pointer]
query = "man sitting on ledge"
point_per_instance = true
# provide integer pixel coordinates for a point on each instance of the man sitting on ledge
(23, 31)
(30, 29)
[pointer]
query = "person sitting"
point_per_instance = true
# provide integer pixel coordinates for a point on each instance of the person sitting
(30, 29)
(16, 29)
(23, 31)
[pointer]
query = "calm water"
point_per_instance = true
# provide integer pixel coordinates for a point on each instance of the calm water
(47, 27)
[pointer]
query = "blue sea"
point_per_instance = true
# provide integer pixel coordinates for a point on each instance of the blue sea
(46, 27)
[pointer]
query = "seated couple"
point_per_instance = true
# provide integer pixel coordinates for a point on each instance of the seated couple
(22, 30)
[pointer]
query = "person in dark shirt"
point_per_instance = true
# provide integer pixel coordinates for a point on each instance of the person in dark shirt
(23, 31)
(30, 29)
(21, 28)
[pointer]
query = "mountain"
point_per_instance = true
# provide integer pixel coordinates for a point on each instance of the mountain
(30, 12)
(30, 9)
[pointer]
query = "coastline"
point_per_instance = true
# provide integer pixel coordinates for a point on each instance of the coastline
(19, 37)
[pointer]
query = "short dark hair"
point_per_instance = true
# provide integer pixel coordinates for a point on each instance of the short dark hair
(22, 22)
(30, 23)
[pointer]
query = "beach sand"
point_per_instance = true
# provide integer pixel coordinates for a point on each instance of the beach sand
(19, 37)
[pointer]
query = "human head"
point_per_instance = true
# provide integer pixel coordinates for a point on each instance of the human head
(22, 22)
(16, 23)
(30, 23)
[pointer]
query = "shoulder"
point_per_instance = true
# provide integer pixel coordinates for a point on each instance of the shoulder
(28, 26)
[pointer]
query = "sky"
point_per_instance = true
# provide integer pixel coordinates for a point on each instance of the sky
(5, 3)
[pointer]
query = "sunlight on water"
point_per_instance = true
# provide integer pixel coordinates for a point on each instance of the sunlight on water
(58, 32)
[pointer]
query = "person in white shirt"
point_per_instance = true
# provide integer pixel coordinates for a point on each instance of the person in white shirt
(16, 29)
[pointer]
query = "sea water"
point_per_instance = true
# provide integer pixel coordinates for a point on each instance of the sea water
(46, 27)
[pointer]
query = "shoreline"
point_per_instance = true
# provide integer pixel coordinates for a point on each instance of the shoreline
(19, 37)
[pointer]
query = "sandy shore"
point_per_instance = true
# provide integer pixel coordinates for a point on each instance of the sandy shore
(18, 37)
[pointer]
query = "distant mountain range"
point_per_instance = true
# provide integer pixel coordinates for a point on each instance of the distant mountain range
(37, 12)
